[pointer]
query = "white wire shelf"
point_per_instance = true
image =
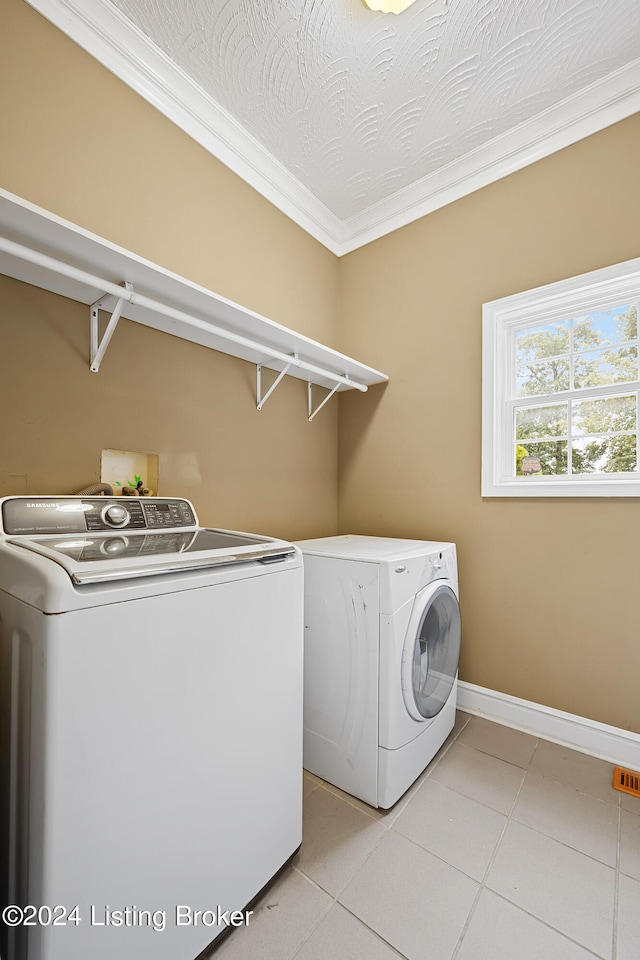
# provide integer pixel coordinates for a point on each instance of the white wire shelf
(41, 249)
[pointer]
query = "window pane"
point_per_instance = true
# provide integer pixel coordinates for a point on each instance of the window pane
(541, 378)
(606, 415)
(597, 368)
(605, 327)
(547, 421)
(608, 455)
(552, 454)
(536, 343)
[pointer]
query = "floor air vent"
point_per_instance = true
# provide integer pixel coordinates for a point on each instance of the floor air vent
(627, 781)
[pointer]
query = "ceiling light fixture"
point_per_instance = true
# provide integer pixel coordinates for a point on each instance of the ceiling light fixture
(388, 6)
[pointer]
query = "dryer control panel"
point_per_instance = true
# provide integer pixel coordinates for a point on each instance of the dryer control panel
(63, 515)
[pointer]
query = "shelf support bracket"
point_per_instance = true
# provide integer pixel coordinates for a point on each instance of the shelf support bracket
(99, 347)
(313, 412)
(260, 399)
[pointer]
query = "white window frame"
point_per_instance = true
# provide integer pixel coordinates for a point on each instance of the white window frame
(598, 290)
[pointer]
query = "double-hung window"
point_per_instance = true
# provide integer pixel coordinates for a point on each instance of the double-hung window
(561, 388)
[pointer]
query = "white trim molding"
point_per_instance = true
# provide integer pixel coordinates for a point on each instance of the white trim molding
(112, 39)
(600, 105)
(115, 42)
(621, 747)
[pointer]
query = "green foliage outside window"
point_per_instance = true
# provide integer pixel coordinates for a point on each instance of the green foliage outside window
(605, 352)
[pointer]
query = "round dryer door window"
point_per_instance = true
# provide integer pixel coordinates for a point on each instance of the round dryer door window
(432, 650)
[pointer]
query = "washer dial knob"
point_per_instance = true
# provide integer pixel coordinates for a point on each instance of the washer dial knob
(115, 515)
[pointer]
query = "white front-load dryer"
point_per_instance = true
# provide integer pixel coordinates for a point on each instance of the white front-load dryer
(382, 644)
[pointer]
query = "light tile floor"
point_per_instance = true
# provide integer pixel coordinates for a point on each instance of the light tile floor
(506, 848)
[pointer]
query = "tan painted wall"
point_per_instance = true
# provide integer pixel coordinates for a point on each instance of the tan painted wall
(549, 594)
(78, 142)
(549, 588)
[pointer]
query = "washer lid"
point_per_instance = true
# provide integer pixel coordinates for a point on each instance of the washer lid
(373, 549)
(99, 558)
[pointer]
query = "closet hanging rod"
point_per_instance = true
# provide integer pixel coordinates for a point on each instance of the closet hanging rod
(140, 300)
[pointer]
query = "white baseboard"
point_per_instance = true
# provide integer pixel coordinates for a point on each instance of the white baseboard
(588, 736)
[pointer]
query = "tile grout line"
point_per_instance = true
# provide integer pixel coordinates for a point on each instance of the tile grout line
(568, 846)
(493, 757)
(463, 932)
(391, 826)
(324, 785)
(512, 820)
(583, 793)
(336, 902)
(378, 936)
(335, 898)
(315, 926)
(542, 833)
(402, 801)
(546, 924)
(482, 886)
(616, 888)
(424, 777)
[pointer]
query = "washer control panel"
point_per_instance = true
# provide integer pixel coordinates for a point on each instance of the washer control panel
(65, 515)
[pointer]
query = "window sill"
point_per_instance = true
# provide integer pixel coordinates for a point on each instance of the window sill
(552, 487)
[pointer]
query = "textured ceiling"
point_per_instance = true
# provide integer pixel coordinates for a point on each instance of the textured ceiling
(357, 105)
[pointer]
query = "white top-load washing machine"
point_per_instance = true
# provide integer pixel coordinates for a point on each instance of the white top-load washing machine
(151, 725)
(382, 643)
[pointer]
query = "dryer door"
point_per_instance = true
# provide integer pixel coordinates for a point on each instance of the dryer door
(431, 650)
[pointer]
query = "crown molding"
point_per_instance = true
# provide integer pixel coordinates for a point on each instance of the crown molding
(108, 36)
(614, 98)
